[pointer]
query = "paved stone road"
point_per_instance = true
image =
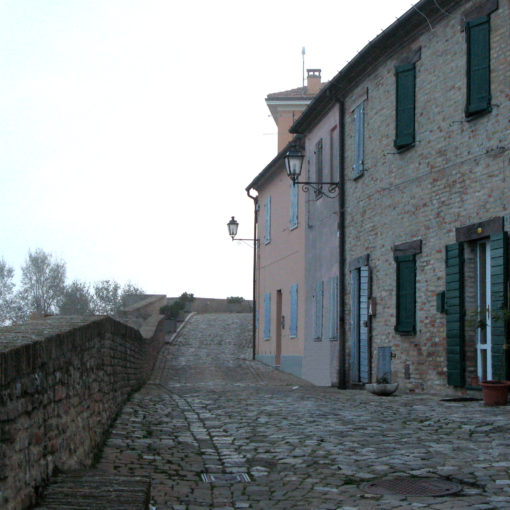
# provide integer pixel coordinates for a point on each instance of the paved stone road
(209, 409)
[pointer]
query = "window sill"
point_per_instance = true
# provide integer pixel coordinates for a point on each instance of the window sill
(359, 175)
(405, 333)
(293, 227)
(317, 339)
(406, 148)
(478, 115)
(293, 337)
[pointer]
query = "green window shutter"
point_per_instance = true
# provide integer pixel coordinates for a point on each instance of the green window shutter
(405, 92)
(499, 302)
(455, 361)
(406, 294)
(478, 66)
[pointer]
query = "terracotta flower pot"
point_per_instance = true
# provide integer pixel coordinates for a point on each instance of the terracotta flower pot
(495, 393)
(382, 389)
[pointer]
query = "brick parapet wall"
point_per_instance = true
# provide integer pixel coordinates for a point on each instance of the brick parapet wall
(213, 305)
(62, 381)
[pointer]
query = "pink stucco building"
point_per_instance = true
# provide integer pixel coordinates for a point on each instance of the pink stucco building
(280, 269)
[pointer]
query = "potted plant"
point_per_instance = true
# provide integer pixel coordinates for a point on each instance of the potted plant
(382, 387)
(495, 391)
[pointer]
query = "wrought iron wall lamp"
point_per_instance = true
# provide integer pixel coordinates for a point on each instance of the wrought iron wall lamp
(294, 163)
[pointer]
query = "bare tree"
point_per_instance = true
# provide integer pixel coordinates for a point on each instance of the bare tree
(76, 299)
(109, 297)
(42, 282)
(106, 298)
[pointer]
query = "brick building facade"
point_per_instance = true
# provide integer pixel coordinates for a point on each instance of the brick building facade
(422, 114)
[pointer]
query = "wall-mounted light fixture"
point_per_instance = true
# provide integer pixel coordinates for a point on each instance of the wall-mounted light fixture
(232, 226)
(294, 163)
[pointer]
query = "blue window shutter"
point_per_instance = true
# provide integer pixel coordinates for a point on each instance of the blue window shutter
(267, 315)
(319, 292)
(405, 101)
(333, 307)
(267, 233)
(294, 194)
(364, 332)
(293, 310)
(478, 66)
(359, 139)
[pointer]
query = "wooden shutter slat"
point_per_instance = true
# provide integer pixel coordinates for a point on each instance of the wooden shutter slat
(499, 301)
(293, 310)
(405, 105)
(364, 338)
(478, 65)
(406, 294)
(354, 326)
(294, 205)
(455, 315)
(267, 315)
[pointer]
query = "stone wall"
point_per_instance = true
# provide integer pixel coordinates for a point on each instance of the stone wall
(62, 381)
(212, 305)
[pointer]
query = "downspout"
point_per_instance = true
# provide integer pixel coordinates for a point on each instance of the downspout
(342, 379)
(254, 307)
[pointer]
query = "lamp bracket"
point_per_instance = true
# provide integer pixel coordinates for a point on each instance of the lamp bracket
(331, 191)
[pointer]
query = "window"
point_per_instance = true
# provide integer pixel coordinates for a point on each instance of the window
(267, 316)
(359, 140)
(294, 197)
(406, 295)
(318, 167)
(333, 307)
(478, 66)
(267, 232)
(317, 322)
(293, 328)
(405, 92)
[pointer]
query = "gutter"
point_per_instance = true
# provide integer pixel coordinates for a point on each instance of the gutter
(342, 341)
(254, 318)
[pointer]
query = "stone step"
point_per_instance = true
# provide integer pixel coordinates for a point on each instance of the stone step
(96, 490)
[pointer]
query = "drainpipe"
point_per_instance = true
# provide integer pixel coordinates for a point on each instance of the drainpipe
(254, 325)
(342, 380)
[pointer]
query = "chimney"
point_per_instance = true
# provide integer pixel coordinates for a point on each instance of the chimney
(313, 81)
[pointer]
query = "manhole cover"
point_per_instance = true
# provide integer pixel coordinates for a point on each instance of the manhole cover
(225, 477)
(413, 487)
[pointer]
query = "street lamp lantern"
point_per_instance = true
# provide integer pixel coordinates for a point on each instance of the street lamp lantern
(232, 225)
(294, 162)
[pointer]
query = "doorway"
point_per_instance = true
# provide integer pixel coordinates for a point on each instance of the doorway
(483, 302)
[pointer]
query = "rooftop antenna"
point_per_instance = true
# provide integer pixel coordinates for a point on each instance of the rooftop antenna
(303, 55)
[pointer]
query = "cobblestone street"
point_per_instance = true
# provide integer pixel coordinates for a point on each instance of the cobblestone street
(209, 409)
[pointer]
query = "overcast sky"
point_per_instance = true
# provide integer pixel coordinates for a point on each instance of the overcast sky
(129, 129)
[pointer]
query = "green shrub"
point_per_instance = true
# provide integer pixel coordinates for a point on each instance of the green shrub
(235, 299)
